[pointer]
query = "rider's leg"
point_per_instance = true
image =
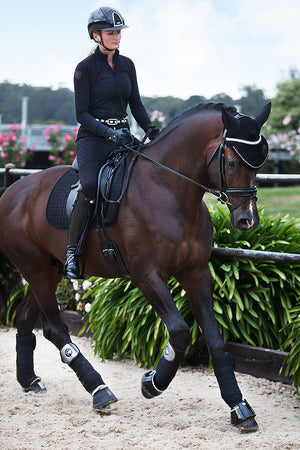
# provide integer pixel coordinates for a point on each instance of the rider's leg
(91, 153)
(77, 231)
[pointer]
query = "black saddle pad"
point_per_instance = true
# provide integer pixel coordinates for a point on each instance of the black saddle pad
(60, 202)
(56, 212)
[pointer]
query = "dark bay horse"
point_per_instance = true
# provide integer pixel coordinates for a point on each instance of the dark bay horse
(163, 229)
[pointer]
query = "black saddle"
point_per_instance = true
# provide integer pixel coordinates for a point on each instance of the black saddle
(109, 193)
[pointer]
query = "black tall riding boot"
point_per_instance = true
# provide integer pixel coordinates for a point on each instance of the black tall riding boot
(77, 232)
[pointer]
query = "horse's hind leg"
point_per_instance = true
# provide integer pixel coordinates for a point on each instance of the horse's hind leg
(26, 317)
(198, 288)
(43, 286)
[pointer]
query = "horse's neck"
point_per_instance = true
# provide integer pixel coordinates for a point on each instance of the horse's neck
(185, 149)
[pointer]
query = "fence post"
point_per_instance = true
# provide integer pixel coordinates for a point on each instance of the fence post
(7, 177)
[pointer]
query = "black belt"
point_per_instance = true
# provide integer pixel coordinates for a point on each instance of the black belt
(113, 122)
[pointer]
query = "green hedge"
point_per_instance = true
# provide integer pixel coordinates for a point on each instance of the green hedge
(253, 299)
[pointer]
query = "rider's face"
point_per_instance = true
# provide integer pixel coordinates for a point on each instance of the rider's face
(111, 38)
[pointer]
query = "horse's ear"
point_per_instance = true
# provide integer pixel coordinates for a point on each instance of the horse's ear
(263, 115)
(230, 122)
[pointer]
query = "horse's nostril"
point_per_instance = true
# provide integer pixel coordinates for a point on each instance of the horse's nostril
(244, 224)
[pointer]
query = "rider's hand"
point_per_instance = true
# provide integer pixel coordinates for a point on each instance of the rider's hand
(120, 137)
(152, 132)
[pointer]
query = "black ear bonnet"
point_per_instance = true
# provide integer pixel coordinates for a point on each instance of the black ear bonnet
(247, 142)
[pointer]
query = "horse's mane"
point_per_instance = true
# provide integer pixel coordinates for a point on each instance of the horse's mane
(191, 112)
(2, 190)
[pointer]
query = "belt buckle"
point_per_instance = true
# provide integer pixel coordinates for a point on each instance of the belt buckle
(113, 121)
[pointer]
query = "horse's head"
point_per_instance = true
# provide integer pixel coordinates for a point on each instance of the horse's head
(241, 153)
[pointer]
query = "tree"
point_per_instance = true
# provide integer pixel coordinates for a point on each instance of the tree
(223, 98)
(285, 114)
(45, 104)
(253, 100)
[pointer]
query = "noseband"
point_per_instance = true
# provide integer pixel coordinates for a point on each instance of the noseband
(225, 192)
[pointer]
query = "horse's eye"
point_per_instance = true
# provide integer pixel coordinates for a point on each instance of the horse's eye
(231, 163)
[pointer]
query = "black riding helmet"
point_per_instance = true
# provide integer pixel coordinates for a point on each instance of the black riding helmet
(105, 18)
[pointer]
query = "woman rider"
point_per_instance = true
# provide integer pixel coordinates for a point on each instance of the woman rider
(105, 84)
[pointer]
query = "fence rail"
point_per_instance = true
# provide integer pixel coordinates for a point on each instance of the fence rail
(256, 254)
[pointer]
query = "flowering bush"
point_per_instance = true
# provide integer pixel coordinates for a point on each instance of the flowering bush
(286, 141)
(289, 141)
(13, 147)
(71, 295)
(62, 144)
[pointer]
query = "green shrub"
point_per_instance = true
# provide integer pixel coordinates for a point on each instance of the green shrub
(253, 298)
(69, 296)
(121, 320)
(292, 361)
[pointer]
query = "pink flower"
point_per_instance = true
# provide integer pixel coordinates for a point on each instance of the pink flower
(287, 119)
(12, 137)
(24, 139)
(15, 127)
(67, 137)
(58, 161)
(51, 157)
(4, 155)
(71, 152)
(47, 136)
(52, 129)
(3, 141)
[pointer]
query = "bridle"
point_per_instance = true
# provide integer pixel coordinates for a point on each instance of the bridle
(224, 193)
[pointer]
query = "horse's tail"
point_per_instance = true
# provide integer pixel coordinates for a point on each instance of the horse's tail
(10, 281)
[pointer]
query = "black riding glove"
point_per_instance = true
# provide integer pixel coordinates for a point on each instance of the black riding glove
(120, 137)
(152, 132)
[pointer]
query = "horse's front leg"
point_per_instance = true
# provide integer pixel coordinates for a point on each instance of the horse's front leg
(198, 286)
(155, 289)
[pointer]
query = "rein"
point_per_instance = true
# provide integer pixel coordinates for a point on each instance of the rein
(224, 192)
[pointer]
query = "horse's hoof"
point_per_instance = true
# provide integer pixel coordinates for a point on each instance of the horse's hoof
(107, 410)
(242, 416)
(36, 386)
(248, 425)
(149, 390)
(104, 401)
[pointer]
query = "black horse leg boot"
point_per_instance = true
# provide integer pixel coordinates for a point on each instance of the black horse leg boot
(77, 231)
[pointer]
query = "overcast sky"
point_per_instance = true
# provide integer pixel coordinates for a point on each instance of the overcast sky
(180, 47)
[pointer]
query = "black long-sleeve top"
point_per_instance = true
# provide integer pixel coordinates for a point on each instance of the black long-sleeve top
(104, 93)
